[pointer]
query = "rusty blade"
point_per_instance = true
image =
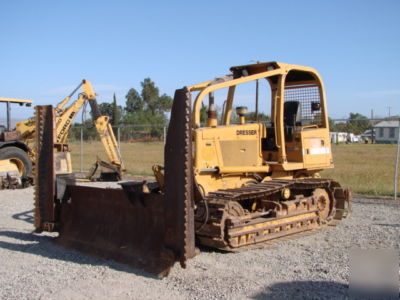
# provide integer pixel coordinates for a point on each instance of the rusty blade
(150, 231)
(44, 169)
(179, 202)
(108, 224)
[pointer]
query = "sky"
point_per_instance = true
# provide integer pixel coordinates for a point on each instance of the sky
(48, 47)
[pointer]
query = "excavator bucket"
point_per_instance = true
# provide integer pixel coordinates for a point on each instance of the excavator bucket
(132, 225)
(108, 171)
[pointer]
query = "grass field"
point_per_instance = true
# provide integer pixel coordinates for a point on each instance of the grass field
(138, 157)
(368, 169)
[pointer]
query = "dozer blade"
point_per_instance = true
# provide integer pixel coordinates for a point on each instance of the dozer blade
(179, 196)
(150, 231)
(44, 169)
(112, 224)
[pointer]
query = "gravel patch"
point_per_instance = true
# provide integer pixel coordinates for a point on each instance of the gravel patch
(309, 267)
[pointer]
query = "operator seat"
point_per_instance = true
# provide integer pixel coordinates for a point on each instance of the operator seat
(291, 118)
(2, 130)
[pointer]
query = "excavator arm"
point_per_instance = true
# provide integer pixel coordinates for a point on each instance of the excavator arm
(107, 137)
(113, 170)
(64, 117)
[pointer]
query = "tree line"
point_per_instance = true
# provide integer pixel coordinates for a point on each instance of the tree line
(356, 123)
(148, 108)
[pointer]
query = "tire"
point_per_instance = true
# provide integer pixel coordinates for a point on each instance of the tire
(12, 152)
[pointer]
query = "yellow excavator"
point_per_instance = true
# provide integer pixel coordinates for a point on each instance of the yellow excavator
(223, 185)
(19, 145)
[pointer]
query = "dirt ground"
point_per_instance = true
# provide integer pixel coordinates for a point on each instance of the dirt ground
(313, 266)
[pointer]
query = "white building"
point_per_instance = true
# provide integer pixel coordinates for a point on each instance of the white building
(344, 137)
(386, 132)
(338, 137)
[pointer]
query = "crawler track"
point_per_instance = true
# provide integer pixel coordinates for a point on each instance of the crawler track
(223, 221)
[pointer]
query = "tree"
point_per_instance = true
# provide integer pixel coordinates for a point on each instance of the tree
(331, 124)
(203, 113)
(341, 127)
(106, 109)
(112, 110)
(149, 99)
(115, 111)
(165, 103)
(152, 99)
(134, 101)
(148, 107)
(358, 123)
(150, 95)
(251, 116)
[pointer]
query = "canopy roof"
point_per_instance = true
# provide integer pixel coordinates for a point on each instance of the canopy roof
(12, 100)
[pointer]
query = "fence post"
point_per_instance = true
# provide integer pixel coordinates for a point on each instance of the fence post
(397, 162)
(119, 137)
(81, 154)
(165, 134)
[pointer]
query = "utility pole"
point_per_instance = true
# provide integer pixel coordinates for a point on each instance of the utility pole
(372, 124)
(397, 162)
(389, 107)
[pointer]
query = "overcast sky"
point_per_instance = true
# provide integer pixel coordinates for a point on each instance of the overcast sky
(48, 47)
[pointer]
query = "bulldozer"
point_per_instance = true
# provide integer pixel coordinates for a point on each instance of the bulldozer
(18, 146)
(226, 185)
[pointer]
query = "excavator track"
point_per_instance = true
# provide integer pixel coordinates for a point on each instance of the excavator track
(222, 220)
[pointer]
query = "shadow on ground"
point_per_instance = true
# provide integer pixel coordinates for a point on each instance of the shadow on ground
(44, 246)
(388, 225)
(304, 290)
(26, 216)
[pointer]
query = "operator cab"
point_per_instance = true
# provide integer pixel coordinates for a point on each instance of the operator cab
(296, 138)
(6, 132)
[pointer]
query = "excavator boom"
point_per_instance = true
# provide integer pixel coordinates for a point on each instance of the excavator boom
(64, 116)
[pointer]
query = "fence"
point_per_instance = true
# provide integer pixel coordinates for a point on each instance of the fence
(140, 146)
(368, 168)
(123, 133)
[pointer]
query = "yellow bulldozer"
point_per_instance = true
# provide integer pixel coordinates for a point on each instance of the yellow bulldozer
(223, 185)
(17, 147)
